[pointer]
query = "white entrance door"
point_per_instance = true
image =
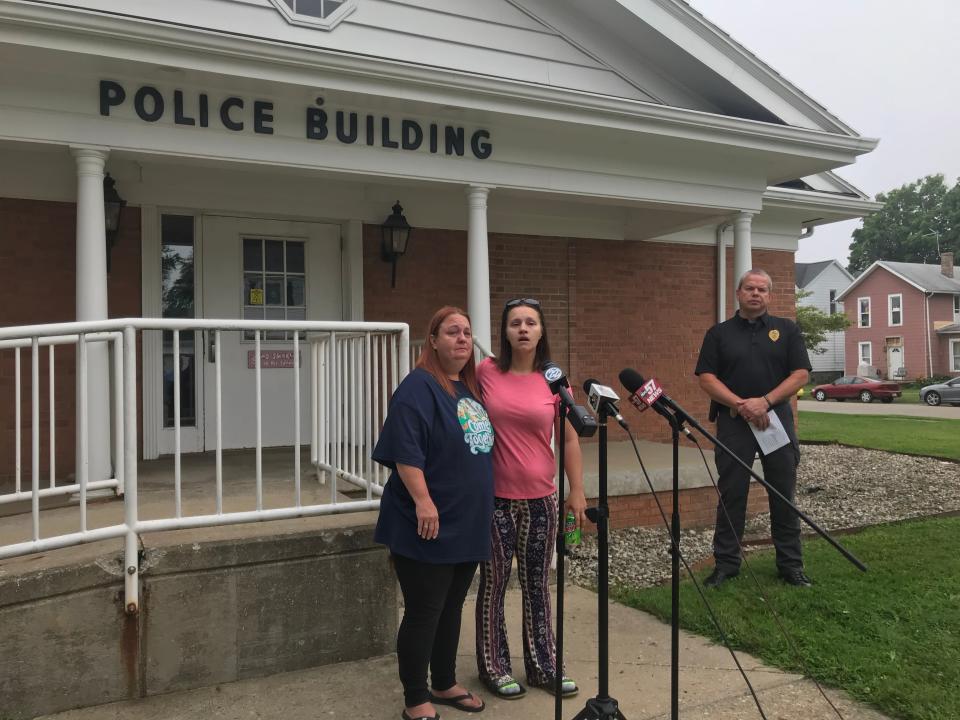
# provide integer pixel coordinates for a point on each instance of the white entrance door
(273, 270)
(894, 362)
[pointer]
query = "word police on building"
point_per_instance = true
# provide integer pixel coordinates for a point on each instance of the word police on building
(233, 113)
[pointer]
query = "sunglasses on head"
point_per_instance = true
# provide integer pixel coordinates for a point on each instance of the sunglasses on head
(532, 302)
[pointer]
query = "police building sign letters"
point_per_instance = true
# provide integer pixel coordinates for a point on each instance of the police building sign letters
(347, 127)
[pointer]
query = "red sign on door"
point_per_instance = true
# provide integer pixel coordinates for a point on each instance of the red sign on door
(271, 359)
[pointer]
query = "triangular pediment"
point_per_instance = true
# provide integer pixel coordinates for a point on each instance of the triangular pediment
(656, 51)
(660, 52)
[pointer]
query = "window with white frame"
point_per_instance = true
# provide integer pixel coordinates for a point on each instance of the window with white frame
(178, 300)
(956, 308)
(833, 302)
(863, 315)
(274, 283)
(955, 356)
(895, 310)
(323, 14)
(866, 353)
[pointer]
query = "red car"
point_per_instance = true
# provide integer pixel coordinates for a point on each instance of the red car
(861, 388)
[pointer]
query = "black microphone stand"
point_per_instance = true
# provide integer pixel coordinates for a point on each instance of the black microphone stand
(602, 706)
(675, 426)
(561, 549)
(676, 420)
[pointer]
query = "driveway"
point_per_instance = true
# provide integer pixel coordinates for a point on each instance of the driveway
(853, 407)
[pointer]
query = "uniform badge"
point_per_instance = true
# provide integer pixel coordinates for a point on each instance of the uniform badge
(774, 335)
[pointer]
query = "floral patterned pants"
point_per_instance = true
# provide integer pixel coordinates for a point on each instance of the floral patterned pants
(526, 529)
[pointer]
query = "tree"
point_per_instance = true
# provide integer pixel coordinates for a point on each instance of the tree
(915, 219)
(814, 324)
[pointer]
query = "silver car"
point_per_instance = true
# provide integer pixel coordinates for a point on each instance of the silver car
(946, 392)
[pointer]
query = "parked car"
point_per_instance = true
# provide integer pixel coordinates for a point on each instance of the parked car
(861, 388)
(945, 392)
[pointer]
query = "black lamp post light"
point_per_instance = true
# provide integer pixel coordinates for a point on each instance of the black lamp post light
(113, 206)
(395, 236)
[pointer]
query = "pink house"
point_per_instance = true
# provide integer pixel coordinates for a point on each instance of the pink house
(904, 320)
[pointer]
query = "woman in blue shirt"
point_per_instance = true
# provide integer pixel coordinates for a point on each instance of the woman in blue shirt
(436, 509)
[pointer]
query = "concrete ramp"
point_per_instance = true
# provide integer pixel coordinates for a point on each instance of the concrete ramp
(217, 606)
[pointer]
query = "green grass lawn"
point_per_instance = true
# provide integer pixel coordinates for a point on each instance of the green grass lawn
(912, 435)
(889, 637)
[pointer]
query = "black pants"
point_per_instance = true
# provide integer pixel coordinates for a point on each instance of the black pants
(429, 633)
(779, 469)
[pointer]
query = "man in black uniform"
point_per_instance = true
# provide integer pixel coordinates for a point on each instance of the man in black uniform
(749, 365)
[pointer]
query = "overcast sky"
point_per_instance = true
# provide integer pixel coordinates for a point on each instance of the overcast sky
(887, 68)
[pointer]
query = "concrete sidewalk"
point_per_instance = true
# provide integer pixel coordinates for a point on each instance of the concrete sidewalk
(855, 407)
(710, 686)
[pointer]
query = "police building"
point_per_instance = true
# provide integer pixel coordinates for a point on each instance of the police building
(620, 160)
(216, 217)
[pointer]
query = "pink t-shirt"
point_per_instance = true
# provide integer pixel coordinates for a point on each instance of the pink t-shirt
(523, 412)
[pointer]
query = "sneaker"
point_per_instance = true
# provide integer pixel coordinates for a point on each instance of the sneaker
(797, 578)
(718, 577)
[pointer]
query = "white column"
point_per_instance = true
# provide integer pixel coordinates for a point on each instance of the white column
(478, 265)
(742, 249)
(91, 300)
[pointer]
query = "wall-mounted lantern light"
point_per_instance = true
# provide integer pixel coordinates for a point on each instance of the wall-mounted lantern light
(396, 235)
(113, 206)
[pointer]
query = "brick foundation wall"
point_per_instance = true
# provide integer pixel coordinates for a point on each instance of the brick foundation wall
(38, 248)
(698, 508)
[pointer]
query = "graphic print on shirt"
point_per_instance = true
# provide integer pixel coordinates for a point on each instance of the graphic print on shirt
(477, 430)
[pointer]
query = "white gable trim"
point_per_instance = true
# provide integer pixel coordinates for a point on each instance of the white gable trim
(836, 264)
(869, 270)
(131, 38)
(720, 51)
(819, 202)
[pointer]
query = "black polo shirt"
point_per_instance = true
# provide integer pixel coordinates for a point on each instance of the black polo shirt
(753, 357)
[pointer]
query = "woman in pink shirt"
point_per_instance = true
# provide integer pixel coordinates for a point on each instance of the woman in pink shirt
(524, 415)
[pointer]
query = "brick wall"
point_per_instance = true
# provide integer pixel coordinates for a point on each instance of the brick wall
(608, 305)
(698, 508)
(38, 248)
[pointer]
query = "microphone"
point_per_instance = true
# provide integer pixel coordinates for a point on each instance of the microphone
(603, 399)
(648, 393)
(557, 382)
(584, 424)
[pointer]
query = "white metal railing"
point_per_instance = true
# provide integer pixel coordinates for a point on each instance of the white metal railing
(51, 343)
(355, 366)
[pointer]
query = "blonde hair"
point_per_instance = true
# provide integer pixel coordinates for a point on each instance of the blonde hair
(760, 273)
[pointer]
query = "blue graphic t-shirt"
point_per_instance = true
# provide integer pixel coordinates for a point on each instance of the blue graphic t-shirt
(450, 439)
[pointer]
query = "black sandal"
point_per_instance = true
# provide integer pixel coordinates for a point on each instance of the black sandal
(457, 702)
(404, 716)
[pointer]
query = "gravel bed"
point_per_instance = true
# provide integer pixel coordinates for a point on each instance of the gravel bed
(838, 487)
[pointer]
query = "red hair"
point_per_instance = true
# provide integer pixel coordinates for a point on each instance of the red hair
(430, 361)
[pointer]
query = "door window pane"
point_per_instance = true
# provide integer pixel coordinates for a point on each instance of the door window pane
(273, 255)
(295, 257)
(187, 369)
(252, 254)
(295, 296)
(274, 290)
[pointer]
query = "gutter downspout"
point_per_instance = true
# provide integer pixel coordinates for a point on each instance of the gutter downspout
(721, 273)
(806, 231)
(926, 312)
